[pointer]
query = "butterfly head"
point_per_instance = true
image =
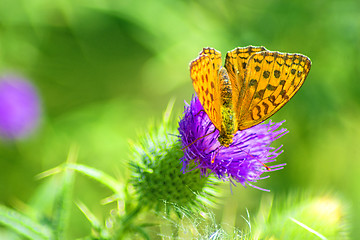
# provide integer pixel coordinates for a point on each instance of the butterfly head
(225, 139)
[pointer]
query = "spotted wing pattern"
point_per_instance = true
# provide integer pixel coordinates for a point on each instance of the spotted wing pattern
(236, 64)
(271, 80)
(204, 74)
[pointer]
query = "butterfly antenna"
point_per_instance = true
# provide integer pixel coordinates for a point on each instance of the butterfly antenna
(198, 139)
(213, 159)
(266, 166)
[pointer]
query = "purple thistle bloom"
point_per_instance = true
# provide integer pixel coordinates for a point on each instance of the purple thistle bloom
(243, 161)
(19, 107)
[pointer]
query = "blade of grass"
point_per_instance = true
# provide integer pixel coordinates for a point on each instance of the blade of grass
(23, 224)
(95, 223)
(308, 229)
(99, 176)
(62, 204)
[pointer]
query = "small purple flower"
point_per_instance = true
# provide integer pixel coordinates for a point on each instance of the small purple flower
(19, 107)
(243, 161)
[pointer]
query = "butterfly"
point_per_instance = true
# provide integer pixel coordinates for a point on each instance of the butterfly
(253, 84)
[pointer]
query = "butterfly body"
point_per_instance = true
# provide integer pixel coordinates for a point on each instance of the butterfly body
(253, 84)
(228, 123)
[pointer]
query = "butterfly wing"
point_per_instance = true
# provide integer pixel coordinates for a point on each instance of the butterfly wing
(236, 63)
(204, 74)
(271, 80)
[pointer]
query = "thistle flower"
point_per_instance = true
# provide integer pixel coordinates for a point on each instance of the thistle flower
(157, 177)
(243, 161)
(19, 107)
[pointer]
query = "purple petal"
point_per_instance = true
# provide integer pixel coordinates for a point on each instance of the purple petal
(243, 161)
(19, 107)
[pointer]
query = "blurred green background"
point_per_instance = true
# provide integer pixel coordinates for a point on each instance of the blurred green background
(106, 68)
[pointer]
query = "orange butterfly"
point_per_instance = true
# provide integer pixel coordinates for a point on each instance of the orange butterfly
(253, 85)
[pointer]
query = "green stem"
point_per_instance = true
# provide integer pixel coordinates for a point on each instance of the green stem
(126, 223)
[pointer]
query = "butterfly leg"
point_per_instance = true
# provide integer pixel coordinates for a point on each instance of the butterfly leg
(201, 111)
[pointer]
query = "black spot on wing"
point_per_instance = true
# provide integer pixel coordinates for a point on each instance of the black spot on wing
(266, 74)
(277, 73)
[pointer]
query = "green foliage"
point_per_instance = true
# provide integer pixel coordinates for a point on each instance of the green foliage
(157, 176)
(302, 216)
(23, 225)
(177, 190)
(159, 184)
